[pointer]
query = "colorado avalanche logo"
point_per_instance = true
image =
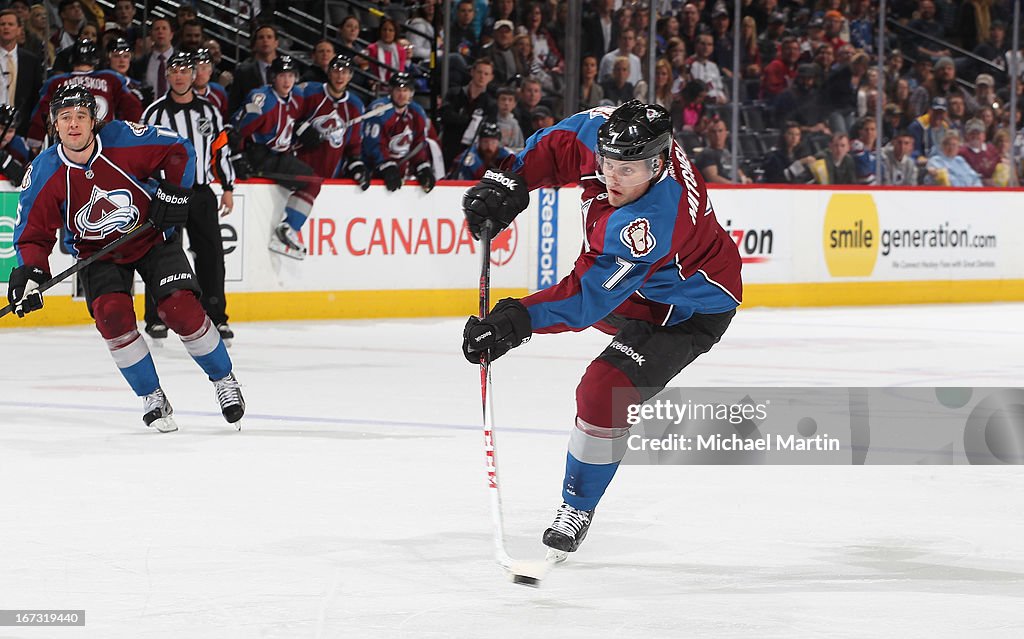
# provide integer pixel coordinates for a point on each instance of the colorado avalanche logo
(332, 128)
(637, 237)
(107, 212)
(399, 145)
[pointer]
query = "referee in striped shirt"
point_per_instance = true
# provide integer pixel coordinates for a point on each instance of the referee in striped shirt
(193, 117)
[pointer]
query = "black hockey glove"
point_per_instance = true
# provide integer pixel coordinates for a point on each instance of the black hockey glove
(169, 206)
(392, 177)
(242, 165)
(507, 326)
(499, 197)
(425, 177)
(307, 136)
(21, 289)
(357, 171)
(14, 170)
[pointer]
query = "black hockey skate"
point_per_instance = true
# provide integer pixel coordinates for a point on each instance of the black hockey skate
(157, 330)
(158, 412)
(229, 395)
(568, 530)
(226, 334)
(285, 241)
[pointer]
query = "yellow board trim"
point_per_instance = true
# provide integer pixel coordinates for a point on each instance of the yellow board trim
(322, 305)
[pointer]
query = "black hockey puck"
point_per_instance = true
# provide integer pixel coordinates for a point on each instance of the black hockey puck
(526, 581)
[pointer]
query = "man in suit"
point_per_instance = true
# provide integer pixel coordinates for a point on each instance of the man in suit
(252, 74)
(151, 69)
(22, 71)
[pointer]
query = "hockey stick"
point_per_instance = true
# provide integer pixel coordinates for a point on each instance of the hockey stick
(372, 113)
(527, 573)
(81, 264)
(315, 179)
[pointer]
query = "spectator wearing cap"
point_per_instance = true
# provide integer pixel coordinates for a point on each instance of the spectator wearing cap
(948, 167)
(722, 39)
(780, 72)
(834, 27)
(942, 83)
(703, 68)
(898, 166)
(929, 129)
(982, 156)
(486, 153)
(618, 89)
(928, 26)
(465, 109)
(892, 121)
(985, 92)
(499, 50)
(802, 103)
(542, 117)
(627, 39)
(994, 48)
(770, 41)
(72, 19)
(23, 70)
(813, 39)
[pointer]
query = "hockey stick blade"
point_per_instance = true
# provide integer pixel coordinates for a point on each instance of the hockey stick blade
(81, 264)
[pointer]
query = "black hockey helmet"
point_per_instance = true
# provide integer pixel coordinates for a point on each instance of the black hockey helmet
(119, 45)
(181, 59)
(340, 61)
(284, 63)
(202, 55)
(635, 131)
(85, 52)
(72, 95)
(8, 117)
(401, 80)
(489, 129)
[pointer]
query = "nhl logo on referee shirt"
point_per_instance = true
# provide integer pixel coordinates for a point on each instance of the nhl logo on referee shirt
(637, 237)
(205, 126)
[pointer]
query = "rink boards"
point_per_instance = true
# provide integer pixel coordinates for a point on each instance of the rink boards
(408, 254)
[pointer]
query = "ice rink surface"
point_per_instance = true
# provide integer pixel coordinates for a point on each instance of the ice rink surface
(353, 501)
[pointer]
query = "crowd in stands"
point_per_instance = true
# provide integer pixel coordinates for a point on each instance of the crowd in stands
(807, 77)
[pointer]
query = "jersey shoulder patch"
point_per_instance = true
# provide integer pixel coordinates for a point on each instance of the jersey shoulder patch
(638, 237)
